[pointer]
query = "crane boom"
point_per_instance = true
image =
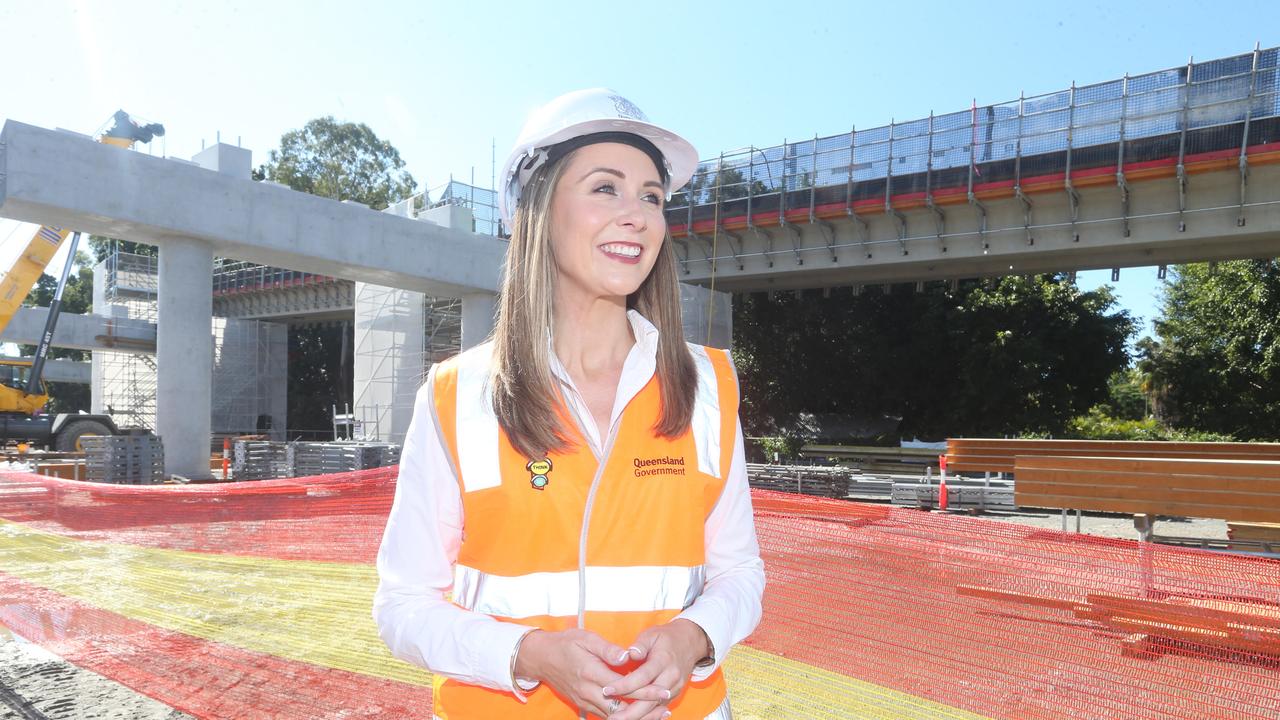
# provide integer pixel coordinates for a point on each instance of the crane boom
(26, 270)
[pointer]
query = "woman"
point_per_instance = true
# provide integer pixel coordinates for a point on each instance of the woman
(572, 531)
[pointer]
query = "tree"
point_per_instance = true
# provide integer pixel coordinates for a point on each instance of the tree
(342, 161)
(103, 246)
(1216, 364)
(989, 358)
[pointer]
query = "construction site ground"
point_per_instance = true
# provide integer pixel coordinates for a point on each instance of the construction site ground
(35, 683)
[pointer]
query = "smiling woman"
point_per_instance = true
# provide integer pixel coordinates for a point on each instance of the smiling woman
(572, 532)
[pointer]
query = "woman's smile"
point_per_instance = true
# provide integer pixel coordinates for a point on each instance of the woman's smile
(623, 252)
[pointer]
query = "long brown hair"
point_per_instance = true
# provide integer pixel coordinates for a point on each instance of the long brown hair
(526, 398)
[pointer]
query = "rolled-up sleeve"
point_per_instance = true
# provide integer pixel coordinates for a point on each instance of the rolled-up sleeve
(729, 607)
(415, 570)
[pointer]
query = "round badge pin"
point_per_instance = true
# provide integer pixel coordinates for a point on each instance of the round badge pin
(538, 471)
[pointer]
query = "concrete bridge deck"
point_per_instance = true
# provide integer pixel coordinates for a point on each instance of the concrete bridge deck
(1177, 165)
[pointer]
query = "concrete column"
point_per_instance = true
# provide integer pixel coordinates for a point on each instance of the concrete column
(477, 318)
(184, 356)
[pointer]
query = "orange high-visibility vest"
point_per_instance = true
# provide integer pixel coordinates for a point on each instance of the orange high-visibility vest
(643, 505)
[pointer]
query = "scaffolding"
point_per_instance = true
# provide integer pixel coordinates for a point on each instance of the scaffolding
(125, 382)
(443, 328)
(250, 371)
(250, 376)
(482, 202)
(390, 359)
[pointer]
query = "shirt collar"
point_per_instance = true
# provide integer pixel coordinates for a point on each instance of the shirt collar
(637, 370)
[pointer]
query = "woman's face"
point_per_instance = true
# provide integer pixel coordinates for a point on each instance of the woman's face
(606, 222)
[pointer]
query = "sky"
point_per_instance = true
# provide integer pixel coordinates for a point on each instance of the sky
(448, 82)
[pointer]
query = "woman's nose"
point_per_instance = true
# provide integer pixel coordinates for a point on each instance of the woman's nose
(633, 213)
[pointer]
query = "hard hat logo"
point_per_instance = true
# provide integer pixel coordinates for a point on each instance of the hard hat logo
(627, 109)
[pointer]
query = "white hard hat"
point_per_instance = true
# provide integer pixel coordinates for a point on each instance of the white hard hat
(586, 112)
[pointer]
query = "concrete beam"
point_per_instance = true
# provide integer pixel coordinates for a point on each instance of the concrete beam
(68, 180)
(82, 332)
(69, 371)
(847, 253)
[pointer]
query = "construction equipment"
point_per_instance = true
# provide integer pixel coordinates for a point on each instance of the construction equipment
(22, 390)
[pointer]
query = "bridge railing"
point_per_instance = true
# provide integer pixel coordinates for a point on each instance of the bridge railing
(1214, 106)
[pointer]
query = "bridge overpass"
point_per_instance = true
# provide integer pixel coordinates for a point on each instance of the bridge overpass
(64, 179)
(1173, 166)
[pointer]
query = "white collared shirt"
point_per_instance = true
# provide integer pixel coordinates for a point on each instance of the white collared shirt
(424, 532)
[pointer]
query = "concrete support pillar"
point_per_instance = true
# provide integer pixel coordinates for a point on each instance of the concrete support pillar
(477, 318)
(184, 356)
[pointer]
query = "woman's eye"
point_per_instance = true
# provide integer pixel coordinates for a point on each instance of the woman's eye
(652, 198)
(606, 187)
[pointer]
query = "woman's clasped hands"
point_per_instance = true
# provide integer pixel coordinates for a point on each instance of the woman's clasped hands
(580, 666)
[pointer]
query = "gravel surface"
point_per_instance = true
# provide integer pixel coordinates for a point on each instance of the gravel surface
(36, 684)
(1116, 526)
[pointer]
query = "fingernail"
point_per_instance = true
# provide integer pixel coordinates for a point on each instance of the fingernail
(607, 691)
(625, 654)
(668, 692)
(666, 714)
(635, 649)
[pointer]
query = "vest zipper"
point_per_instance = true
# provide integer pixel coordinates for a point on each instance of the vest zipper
(602, 463)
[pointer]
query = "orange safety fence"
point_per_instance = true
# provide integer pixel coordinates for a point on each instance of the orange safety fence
(252, 600)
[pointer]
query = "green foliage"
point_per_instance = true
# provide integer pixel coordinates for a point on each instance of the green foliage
(1216, 365)
(988, 358)
(1127, 395)
(319, 374)
(1098, 425)
(104, 246)
(780, 448)
(342, 161)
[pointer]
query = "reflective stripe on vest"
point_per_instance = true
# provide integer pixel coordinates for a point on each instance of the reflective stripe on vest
(609, 589)
(525, 557)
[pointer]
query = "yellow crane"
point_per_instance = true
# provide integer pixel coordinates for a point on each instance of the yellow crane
(22, 390)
